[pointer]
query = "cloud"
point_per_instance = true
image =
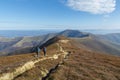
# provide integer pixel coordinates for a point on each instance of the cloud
(93, 6)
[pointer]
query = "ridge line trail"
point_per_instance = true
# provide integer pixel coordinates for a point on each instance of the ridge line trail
(29, 65)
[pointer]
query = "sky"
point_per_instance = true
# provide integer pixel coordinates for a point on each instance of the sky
(59, 14)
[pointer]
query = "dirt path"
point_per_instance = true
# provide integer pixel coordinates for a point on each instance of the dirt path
(65, 56)
(29, 65)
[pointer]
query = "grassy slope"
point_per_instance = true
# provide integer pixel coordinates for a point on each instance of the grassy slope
(9, 60)
(80, 65)
(18, 45)
(9, 63)
(87, 65)
(115, 37)
(99, 45)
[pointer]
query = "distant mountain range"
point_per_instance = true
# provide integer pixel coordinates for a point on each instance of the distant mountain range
(113, 37)
(100, 43)
(19, 45)
(67, 59)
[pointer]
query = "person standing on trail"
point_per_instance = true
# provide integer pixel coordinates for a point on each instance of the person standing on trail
(44, 51)
(38, 51)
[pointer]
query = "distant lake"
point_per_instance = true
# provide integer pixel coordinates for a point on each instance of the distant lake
(20, 33)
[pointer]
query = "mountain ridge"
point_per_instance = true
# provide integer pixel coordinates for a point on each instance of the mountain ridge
(79, 63)
(25, 44)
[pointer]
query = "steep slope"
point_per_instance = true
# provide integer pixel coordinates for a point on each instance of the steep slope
(114, 37)
(64, 61)
(94, 42)
(86, 65)
(27, 44)
(6, 43)
(13, 66)
(99, 45)
(22, 44)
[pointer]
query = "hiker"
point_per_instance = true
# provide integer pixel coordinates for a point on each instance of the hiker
(38, 51)
(44, 51)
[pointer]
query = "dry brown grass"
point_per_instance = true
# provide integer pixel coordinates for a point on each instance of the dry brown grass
(80, 65)
(86, 65)
(8, 61)
(38, 72)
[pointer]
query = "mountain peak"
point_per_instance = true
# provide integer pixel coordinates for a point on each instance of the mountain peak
(73, 33)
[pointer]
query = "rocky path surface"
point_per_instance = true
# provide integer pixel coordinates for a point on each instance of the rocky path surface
(11, 75)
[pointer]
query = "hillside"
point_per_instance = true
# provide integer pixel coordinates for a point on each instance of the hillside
(21, 44)
(64, 61)
(18, 45)
(99, 45)
(114, 37)
(94, 42)
(87, 65)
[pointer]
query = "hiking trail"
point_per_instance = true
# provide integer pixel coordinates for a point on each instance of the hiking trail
(31, 64)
